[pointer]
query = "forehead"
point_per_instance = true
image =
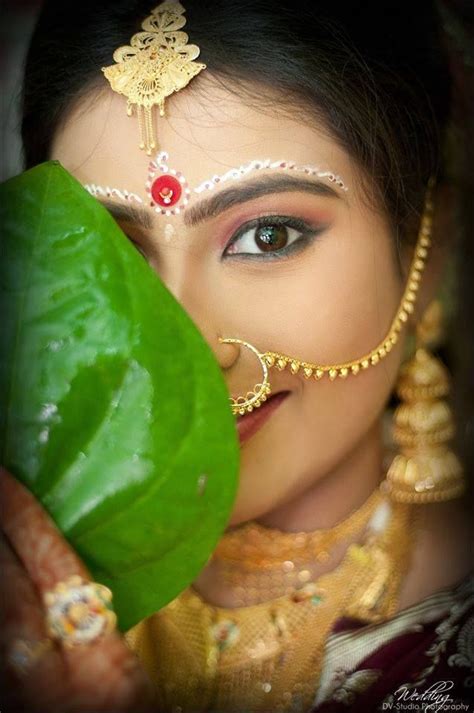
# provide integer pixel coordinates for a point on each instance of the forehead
(206, 130)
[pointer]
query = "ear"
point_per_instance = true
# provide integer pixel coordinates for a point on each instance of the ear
(443, 238)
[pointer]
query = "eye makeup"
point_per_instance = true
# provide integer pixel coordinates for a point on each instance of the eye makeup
(279, 236)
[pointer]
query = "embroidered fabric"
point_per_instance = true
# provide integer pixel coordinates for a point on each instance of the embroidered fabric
(433, 638)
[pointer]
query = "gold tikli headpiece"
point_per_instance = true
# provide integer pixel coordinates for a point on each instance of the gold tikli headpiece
(157, 63)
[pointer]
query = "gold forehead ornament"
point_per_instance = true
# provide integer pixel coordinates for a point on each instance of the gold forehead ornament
(253, 399)
(157, 63)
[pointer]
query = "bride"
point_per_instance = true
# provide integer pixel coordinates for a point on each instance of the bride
(296, 202)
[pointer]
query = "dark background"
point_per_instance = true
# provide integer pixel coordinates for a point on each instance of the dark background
(16, 24)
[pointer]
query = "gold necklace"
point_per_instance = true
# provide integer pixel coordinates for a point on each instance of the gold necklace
(268, 656)
(262, 563)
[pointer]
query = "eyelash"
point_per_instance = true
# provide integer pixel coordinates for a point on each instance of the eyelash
(308, 233)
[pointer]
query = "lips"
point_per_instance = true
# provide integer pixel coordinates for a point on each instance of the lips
(250, 423)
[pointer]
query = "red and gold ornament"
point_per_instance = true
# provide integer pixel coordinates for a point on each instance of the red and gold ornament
(168, 189)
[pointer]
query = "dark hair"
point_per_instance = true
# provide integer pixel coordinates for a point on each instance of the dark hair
(372, 73)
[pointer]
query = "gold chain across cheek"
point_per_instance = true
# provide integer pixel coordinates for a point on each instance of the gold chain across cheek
(268, 359)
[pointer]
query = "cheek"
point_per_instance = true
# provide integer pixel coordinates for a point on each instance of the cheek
(334, 311)
(337, 414)
(316, 430)
(334, 303)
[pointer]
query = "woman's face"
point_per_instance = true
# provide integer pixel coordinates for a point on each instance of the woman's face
(325, 292)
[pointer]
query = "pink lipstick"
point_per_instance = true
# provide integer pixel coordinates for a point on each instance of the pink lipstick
(251, 422)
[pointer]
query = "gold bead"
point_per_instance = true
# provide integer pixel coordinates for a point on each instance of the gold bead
(365, 363)
(422, 252)
(416, 275)
(419, 264)
(294, 367)
(308, 372)
(355, 368)
(408, 307)
(403, 316)
(332, 374)
(270, 360)
(374, 359)
(410, 296)
(249, 409)
(388, 346)
(318, 374)
(343, 372)
(382, 352)
(281, 363)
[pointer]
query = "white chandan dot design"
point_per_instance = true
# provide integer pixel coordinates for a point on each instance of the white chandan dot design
(235, 173)
(169, 232)
(160, 164)
(108, 192)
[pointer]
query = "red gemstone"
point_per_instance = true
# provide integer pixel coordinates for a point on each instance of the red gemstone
(166, 190)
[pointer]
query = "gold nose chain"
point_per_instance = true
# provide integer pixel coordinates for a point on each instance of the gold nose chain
(270, 359)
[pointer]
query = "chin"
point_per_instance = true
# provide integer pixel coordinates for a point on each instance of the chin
(251, 503)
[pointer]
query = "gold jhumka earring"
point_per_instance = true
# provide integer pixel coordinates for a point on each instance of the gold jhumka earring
(426, 470)
(157, 63)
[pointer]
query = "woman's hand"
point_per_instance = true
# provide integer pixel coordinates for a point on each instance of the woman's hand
(34, 557)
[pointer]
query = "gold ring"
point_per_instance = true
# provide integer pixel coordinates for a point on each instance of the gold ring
(260, 392)
(79, 612)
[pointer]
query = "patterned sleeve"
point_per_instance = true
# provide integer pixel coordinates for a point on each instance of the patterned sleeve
(423, 655)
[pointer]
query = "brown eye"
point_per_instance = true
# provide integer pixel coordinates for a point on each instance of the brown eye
(271, 237)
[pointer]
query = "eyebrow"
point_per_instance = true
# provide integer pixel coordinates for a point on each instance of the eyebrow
(129, 213)
(211, 207)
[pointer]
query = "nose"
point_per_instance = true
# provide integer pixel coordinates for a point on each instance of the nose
(212, 323)
(185, 276)
(226, 354)
(211, 329)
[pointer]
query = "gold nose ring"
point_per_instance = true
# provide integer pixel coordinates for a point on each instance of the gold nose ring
(255, 398)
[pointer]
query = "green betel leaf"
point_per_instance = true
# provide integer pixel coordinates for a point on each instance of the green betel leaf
(114, 410)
